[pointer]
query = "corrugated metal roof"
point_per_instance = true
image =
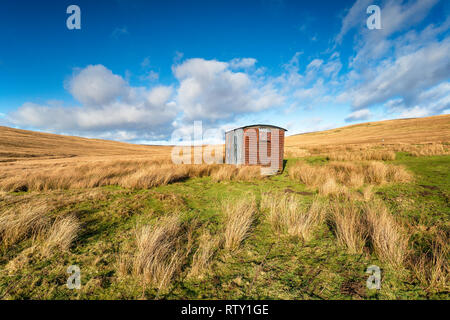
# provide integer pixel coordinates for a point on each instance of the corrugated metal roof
(258, 125)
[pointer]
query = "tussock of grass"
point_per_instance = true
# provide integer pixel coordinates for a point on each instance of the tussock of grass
(124, 264)
(355, 225)
(224, 173)
(398, 174)
(208, 244)
(287, 215)
(61, 234)
(433, 149)
(388, 237)
(376, 173)
(367, 193)
(332, 188)
(26, 221)
(239, 216)
(159, 255)
(349, 225)
(231, 172)
(310, 175)
(355, 180)
(247, 173)
(347, 174)
(431, 268)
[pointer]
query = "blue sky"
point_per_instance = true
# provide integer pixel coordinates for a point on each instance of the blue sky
(138, 71)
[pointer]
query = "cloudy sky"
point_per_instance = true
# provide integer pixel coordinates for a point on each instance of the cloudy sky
(138, 71)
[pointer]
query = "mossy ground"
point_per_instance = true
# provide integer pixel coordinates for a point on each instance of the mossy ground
(267, 265)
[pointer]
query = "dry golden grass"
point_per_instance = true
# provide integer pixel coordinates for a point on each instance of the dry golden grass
(247, 173)
(160, 254)
(349, 225)
(61, 234)
(369, 151)
(293, 152)
(432, 149)
(398, 174)
(231, 172)
(287, 215)
(388, 237)
(355, 225)
(362, 155)
(224, 173)
(331, 188)
(376, 173)
(124, 264)
(23, 222)
(133, 174)
(327, 177)
(312, 176)
(431, 269)
(208, 245)
(367, 193)
(239, 216)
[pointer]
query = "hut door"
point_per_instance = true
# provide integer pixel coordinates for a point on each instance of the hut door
(265, 145)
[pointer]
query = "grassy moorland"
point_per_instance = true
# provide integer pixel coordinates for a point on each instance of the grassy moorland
(147, 229)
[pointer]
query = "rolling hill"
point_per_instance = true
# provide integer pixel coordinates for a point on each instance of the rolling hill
(413, 131)
(17, 144)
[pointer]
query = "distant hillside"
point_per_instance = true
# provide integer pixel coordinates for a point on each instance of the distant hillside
(22, 144)
(16, 144)
(417, 130)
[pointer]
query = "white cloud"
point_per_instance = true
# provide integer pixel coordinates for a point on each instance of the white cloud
(243, 63)
(395, 66)
(110, 107)
(429, 102)
(363, 114)
(150, 76)
(354, 17)
(315, 64)
(96, 85)
(405, 77)
(415, 112)
(395, 16)
(209, 90)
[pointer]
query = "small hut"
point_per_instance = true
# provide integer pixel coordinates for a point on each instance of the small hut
(258, 144)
